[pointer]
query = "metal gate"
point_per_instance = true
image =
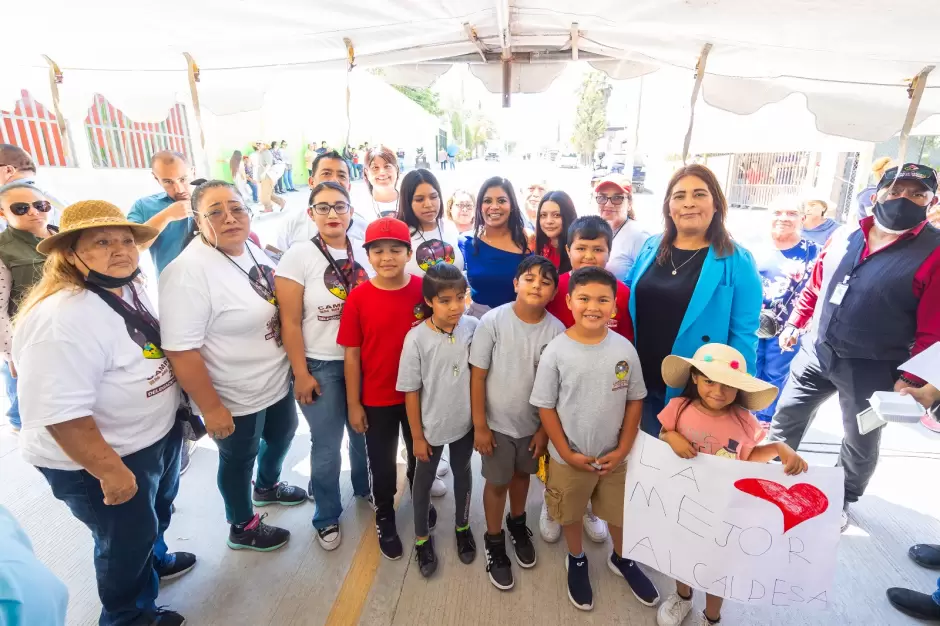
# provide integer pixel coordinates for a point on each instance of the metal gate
(759, 177)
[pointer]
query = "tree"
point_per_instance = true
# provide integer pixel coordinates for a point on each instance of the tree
(467, 138)
(456, 125)
(428, 100)
(591, 116)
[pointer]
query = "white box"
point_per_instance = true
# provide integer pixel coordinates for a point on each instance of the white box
(893, 407)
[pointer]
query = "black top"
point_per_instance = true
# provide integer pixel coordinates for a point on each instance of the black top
(661, 302)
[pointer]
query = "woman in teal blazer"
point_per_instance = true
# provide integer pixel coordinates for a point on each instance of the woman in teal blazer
(691, 285)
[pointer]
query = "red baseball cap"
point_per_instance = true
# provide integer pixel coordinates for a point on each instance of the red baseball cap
(387, 228)
(620, 182)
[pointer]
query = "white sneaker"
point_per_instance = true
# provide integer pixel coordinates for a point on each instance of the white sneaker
(548, 528)
(442, 468)
(329, 537)
(673, 610)
(595, 528)
(438, 488)
(699, 619)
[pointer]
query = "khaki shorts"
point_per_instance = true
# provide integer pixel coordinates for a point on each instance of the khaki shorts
(569, 490)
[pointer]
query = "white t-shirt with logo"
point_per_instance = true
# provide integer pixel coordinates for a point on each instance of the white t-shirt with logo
(324, 293)
(430, 247)
(208, 303)
(76, 357)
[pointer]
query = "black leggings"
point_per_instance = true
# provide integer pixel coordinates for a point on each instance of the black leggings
(460, 453)
(385, 422)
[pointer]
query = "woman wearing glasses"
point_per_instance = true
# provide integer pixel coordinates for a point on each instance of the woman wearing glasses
(460, 211)
(614, 198)
(382, 180)
(313, 280)
(26, 211)
(432, 239)
(222, 335)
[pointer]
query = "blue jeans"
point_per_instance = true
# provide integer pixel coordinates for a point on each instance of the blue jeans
(254, 190)
(289, 178)
(936, 594)
(265, 436)
(328, 418)
(10, 383)
(773, 366)
(128, 537)
(653, 405)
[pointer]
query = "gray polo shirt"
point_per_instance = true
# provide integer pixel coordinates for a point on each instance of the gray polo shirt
(510, 349)
(589, 386)
(437, 367)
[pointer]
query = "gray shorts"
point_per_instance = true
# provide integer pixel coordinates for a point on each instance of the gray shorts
(510, 455)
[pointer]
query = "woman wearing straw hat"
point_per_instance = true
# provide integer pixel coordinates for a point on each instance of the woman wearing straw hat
(691, 285)
(223, 337)
(98, 401)
(713, 415)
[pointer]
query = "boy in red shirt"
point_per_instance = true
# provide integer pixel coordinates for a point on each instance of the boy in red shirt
(589, 240)
(372, 329)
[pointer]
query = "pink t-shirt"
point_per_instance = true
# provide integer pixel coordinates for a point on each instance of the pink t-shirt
(732, 435)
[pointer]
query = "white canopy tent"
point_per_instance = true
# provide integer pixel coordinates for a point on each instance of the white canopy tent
(853, 60)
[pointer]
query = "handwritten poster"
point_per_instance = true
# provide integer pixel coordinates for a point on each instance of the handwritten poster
(742, 531)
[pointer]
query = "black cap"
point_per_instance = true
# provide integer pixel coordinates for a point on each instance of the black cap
(924, 174)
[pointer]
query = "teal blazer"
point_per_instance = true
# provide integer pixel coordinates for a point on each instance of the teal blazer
(725, 306)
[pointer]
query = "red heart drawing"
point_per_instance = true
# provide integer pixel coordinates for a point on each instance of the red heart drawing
(798, 503)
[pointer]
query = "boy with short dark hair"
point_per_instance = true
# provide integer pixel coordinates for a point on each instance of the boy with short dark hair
(507, 432)
(376, 318)
(589, 390)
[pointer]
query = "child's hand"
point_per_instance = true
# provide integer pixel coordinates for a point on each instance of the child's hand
(483, 440)
(793, 463)
(680, 445)
(422, 450)
(581, 462)
(539, 443)
(611, 460)
(357, 419)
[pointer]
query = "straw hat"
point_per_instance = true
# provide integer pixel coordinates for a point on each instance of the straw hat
(93, 214)
(722, 364)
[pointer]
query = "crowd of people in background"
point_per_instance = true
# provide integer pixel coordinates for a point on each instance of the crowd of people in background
(497, 321)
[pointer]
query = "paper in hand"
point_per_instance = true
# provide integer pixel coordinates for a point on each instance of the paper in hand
(925, 365)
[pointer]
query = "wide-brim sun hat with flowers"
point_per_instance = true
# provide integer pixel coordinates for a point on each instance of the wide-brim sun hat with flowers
(722, 364)
(93, 214)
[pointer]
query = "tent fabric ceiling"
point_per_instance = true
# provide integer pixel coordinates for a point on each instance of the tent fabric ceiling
(850, 58)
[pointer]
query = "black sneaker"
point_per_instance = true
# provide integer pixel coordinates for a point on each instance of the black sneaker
(466, 546)
(389, 541)
(281, 493)
(579, 583)
(427, 560)
(522, 544)
(258, 536)
(163, 617)
(182, 562)
(498, 565)
(642, 587)
(914, 603)
(432, 517)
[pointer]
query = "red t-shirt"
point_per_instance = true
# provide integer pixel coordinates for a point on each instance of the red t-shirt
(620, 323)
(377, 321)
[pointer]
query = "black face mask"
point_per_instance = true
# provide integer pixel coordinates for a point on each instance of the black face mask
(108, 282)
(899, 214)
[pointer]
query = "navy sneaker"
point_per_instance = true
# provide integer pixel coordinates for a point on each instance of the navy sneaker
(426, 558)
(521, 541)
(178, 564)
(389, 541)
(466, 546)
(642, 587)
(258, 536)
(579, 582)
(164, 617)
(281, 493)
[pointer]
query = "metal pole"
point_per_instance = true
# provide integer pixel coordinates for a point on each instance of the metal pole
(507, 81)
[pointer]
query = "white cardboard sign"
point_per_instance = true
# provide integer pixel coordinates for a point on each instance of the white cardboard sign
(739, 530)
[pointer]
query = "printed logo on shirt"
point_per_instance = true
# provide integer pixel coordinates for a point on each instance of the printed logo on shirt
(730, 451)
(273, 330)
(335, 286)
(162, 371)
(149, 350)
(432, 252)
(263, 282)
(621, 370)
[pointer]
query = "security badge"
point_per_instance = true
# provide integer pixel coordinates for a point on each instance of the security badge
(839, 292)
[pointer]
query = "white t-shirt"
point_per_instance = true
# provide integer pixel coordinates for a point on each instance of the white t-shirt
(209, 304)
(377, 209)
(324, 293)
(431, 247)
(299, 227)
(76, 357)
(628, 242)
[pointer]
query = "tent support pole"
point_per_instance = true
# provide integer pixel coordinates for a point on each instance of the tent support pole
(475, 39)
(575, 40)
(699, 75)
(507, 82)
(914, 92)
(55, 79)
(350, 64)
(193, 71)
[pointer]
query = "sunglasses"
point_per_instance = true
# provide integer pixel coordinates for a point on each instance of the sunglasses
(22, 208)
(616, 200)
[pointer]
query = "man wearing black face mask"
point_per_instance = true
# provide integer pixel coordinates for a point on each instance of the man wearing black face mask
(874, 301)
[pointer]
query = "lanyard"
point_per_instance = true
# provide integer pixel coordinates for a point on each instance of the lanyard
(346, 273)
(262, 285)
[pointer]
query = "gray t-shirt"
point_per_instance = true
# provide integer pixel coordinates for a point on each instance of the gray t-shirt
(510, 350)
(438, 367)
(589, 386)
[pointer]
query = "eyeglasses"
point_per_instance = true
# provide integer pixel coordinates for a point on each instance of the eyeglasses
(22, 208)
(615, 200)
(217, 215)
(464, 205)
(324, 208)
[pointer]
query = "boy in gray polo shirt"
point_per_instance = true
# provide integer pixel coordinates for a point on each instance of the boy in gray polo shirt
(507, 432)
(589, 390)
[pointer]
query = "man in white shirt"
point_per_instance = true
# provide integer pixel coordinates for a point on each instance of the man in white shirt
(267, 175)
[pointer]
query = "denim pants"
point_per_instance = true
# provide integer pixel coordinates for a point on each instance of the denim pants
(10, 385)
(653, 405)
(254, 190)
(328, 418)
(288, 178)
(265, 435)
(126, 535)
(773, 366)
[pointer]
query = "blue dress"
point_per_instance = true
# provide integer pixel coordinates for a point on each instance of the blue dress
(490, 272)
